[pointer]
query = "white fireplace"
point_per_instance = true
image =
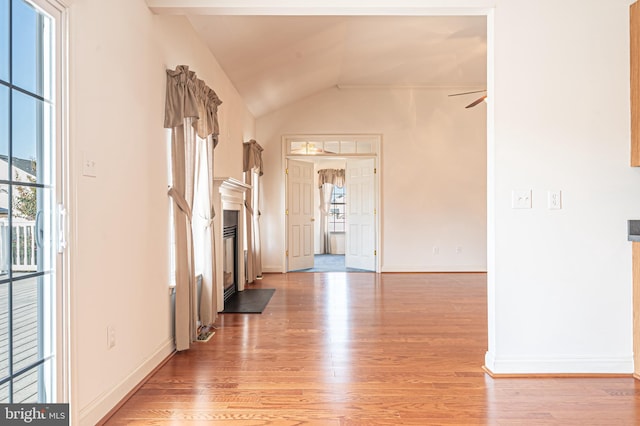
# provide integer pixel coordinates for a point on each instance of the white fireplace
(228, 196)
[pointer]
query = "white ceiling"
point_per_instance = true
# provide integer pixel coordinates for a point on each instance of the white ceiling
(276, 60)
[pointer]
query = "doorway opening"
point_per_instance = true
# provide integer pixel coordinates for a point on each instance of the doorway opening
(332, 203)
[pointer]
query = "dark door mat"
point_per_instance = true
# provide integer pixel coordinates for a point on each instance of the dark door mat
(248, 301)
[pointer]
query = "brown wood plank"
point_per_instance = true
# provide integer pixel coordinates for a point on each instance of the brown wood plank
(365, 349)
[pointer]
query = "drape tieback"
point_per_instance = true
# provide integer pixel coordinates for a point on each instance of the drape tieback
(209, 218)
(180, 202)
(249, 209)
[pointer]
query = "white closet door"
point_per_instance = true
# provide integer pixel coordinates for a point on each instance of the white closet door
(361, 232)
(300, 217)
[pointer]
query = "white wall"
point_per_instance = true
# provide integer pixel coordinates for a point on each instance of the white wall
(119, 219)
(560, 281)
(433, 172)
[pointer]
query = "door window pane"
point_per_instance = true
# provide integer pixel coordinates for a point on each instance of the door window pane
(29, 118)
(31, 235)
(5, 254)
(4, 393)
(4, 132)
(25, 323)
(365, 147)
(347, 147)
(25, 387)
(30, 40)
(4, 331)
(332, 147)
(4, 40)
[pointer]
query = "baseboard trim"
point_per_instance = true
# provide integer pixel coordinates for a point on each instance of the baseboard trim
(538, 366)
(110, 402)
(555, 375)
(434, 268)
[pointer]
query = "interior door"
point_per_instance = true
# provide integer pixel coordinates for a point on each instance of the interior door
(300, 214)
(360, 238)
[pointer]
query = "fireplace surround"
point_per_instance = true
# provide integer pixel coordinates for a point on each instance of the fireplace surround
(228, 203)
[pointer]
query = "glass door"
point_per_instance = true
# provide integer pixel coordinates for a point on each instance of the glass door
(28, 255)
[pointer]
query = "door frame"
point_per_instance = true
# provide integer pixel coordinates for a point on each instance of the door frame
(315, 137)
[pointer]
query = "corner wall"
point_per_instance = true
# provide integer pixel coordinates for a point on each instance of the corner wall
(560, 280)
(119, 244)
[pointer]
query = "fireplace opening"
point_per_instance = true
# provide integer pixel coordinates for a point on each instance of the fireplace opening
(230, 252)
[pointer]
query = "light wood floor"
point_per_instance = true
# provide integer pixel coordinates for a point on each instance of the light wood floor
(365, 349)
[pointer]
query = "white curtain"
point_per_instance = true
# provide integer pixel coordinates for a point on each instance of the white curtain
(327, 180)
(204, 232)
(252, 166)
(326, 191)
(190, 111)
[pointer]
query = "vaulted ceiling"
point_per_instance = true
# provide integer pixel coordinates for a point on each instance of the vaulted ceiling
(276, 60)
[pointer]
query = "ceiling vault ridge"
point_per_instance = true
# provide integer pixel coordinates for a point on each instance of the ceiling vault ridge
(411, 86)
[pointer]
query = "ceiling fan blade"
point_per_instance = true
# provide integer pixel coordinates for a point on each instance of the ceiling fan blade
(468, 93)
(476, 102)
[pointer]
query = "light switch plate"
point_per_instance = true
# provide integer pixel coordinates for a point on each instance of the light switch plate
(521, 199)
(88, 166)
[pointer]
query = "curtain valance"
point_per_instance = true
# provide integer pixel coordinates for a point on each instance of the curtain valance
(252, 156)
(332, 176)
(188, 96)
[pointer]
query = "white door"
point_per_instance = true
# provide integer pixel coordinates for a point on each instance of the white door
(361, 230)
(300, 214)
(33, 359)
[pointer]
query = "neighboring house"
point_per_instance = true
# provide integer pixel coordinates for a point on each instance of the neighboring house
(22, 171)
(23, 225)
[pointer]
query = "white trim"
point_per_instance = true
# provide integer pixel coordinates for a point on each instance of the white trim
(96, 409)
(534, 364)
(272, 269)
(434, 268)
(63, 3)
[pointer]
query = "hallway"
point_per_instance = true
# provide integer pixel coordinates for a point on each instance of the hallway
(365, 349)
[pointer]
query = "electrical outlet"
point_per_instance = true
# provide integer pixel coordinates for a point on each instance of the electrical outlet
(554, 200)
(458, 250)
(521, 199)
(111, 337)
(436, 250)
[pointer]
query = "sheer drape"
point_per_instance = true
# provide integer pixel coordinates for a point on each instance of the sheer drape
(326, 191)
(208, 296)
(252, 167)
(190, 110)
(327, 180)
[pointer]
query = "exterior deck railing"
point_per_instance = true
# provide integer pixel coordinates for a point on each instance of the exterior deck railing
(24, 253)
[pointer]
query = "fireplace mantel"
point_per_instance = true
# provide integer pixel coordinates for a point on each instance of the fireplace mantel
(228, 194)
